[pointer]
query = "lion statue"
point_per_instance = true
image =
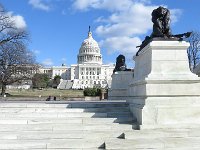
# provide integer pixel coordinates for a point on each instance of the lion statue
(120, 64)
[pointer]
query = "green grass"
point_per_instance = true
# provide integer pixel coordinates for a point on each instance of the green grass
(45, 93)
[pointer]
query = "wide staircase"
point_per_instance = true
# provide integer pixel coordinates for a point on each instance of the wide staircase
(84, 126)
(65, 84)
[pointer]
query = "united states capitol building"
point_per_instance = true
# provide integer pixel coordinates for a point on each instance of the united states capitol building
(89, 70)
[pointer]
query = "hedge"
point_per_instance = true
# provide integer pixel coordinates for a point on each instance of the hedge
(92, 92)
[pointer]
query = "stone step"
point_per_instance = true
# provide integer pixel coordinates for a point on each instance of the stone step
(44, 135)
(180, 148)
(188, 142)
(41, 110)
(55, 115)
(191, 125)
(118, 114)
(31, 105)
(145, 134)
(50, 144)
(124, 144)
(66, 144)
(94, 127)
(65, 127)
(122, 120)
(105, 104)
(65, 115)
(97, 105)
(67, 149)
(158, 143)
(19, 145)
(107, 109)
(79, 120)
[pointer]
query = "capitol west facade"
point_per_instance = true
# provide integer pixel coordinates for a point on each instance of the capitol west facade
(88, 72)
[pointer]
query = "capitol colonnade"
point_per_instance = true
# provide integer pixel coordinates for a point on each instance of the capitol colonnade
(89, 71)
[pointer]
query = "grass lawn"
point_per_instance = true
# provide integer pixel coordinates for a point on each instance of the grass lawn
(44, 93)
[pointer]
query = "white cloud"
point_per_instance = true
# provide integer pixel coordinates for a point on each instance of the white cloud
(136, 20)
(121, 29)
(84, 4)
(175, 15)
(36, 52)
(102, 4)
(124, 45)
(39, 5)
(18, 20)
(47, 62)
(144, 1)
(128, 20)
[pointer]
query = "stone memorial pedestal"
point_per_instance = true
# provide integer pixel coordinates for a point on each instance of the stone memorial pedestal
(119, 85)
(164, 92)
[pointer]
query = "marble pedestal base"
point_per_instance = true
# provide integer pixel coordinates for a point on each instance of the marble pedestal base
(164, 92)
(166, 112)
(119, 85)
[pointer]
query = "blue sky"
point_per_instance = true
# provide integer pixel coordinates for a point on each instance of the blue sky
(58, 27)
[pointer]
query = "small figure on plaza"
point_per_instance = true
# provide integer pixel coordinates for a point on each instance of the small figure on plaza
(54, 98)
(120, 64)
(48, 98)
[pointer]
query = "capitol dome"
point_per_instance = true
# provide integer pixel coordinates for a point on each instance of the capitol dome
(89, 51)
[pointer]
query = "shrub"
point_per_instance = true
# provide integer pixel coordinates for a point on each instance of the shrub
(92, 92)
(56, 81)
(40, 80)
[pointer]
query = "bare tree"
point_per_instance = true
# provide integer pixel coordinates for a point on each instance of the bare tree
(17, 64)
(16, 61)
(194, 50)
(8, 30)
